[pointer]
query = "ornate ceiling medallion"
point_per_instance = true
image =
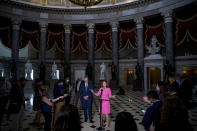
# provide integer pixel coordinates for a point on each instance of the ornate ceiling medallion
(86, 3)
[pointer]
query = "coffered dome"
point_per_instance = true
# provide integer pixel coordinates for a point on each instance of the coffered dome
(68, 4)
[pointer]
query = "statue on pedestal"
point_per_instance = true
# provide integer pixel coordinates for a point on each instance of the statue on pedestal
(42, 72)
(138, 71)
(54, 71)
(138, 78)
(168, 71)
(28, 70)
(89, 70)
(153, 49)
(102, 72)
(113, 71)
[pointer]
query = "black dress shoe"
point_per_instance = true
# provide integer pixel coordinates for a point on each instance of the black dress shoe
(91, 121)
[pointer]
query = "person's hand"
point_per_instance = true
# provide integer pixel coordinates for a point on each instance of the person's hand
(61, 97)
(114, 96)
(145, 98)
(85, 97)
(92, 90)
(65, 95)
(152, 127)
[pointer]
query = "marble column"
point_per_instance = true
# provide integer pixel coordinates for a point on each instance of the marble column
(67, 52)
(140, 49)
(169, 37)
(91, 47)
(15, 48)
(115, 55)
(42, 52)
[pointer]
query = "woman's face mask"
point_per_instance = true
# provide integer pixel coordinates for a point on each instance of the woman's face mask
(60, 86)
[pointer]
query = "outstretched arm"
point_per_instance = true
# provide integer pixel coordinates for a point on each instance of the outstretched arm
(110, 95)
(113, 97)
(93, 92)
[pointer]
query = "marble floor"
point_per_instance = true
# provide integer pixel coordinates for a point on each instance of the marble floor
(131, 102)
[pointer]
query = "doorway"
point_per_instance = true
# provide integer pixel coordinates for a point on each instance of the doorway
(154, 76)
(191, 73)
(129, 76)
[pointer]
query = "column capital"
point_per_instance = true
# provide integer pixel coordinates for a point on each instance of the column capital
(67, 28)
(167, 16)
(114, 26)
(90, 27)
(16, 24)
(139, 22)
(43, 26)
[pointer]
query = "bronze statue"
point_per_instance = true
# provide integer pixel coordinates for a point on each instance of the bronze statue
(113, 71)
(89, 70)
(42, 71)
(168, 70)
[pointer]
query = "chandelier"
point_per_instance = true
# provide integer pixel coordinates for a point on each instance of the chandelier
(86, 3)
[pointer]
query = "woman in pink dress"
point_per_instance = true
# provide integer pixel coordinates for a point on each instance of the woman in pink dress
(105, 97)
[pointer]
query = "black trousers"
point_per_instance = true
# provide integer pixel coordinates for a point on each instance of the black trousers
(48, 119)
(87, 106)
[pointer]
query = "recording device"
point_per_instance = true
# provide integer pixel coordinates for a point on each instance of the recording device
(143, 111)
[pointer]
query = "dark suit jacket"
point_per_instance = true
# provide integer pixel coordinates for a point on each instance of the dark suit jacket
(152, 115)
(16, 99)
(84, 92)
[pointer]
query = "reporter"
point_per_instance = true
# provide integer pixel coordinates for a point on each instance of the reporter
(47, 106)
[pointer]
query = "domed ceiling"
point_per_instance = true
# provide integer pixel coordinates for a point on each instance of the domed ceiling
(68, 4)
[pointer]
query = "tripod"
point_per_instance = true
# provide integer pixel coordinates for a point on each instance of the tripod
(101, 128)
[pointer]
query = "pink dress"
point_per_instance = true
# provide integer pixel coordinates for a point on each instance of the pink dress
(105, 100)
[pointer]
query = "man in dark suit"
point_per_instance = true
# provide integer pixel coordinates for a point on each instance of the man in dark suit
(86, 98)
(152, 114)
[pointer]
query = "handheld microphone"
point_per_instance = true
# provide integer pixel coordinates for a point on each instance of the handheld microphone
(101, 92)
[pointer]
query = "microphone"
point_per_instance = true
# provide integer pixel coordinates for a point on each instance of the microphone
(101, 92)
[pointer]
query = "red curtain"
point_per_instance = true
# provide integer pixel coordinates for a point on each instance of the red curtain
(103, 41)
(184, 28)
(55, 39)
(5, 36)
(79, 42)
(156, 30)
(27, 36)
(127, 39)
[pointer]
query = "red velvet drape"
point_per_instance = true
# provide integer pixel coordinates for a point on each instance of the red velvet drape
(79, 41)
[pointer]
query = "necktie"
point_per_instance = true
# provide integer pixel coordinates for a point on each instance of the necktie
(86, 85)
